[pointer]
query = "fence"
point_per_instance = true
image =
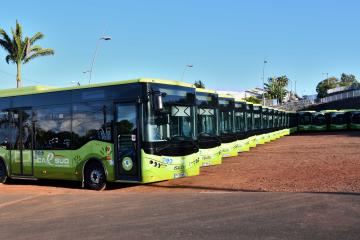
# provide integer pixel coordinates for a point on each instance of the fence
(340, 96)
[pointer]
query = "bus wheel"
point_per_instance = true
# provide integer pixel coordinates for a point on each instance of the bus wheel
(94, 176)
(3, 173)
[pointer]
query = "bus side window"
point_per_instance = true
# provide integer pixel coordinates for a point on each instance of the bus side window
(91, 121)
(4, 130)
(53, 127)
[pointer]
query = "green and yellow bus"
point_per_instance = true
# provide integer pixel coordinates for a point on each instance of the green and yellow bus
(318, 121)
(240, 125)
(271, 123)
(338, 120)
(207, 127)
(139, 131)
(226, 125)
(354, 120)
(257, 129)
(265, 124)
(250, 124)
(304, 120)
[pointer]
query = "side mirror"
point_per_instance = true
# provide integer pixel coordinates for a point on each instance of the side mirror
(158, 102)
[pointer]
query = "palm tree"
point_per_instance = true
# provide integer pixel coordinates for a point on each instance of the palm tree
(276, 88)
(22, 50)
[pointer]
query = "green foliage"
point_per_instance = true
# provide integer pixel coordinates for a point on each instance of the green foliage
(347, 80)
(276, 88)
(253, 99)
(326, 84)
(199, 84)
(21, 50)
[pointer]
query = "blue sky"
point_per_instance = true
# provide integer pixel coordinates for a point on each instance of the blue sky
(225, 40)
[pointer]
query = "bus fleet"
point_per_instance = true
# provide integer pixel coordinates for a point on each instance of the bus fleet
(137, 131)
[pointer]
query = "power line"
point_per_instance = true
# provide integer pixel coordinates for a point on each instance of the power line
(14, 75)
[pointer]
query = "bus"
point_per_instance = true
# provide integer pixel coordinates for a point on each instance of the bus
(240, 125)
(265, 124)
(318, 121)
(354, 120)
(271, 123)
(304, 120)
(207, 125)
(336, 120)
(250, 124)
(292, 122)
(226, 125)
(257, 130)
(277, 123)
(284, 129)
(136, 131)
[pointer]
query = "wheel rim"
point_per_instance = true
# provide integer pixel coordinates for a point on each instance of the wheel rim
(96, 176)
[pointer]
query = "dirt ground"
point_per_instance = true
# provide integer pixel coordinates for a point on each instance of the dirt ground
(312, 162)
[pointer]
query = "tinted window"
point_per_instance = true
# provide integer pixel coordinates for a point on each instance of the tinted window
(4, 129)
(91, 121)
(53, 127)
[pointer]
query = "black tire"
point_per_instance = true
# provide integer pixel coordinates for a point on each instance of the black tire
(3, 172)
(94, 176)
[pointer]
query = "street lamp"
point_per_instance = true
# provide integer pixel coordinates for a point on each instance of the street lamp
(186, 67)
(105, 38)
(263, 79)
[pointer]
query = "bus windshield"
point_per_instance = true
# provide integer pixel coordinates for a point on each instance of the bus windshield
(355, 118)
(338, 118)
(239, 121)
(226, 122)
(304, 119)
(319, 119)
(176, 122)
(206, 122)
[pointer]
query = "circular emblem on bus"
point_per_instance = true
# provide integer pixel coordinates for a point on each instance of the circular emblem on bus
(127, 163)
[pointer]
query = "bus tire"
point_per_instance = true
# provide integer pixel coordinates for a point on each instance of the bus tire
(94, 176)
(3, 172)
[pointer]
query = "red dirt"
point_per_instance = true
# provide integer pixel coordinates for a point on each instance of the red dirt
(327, 162)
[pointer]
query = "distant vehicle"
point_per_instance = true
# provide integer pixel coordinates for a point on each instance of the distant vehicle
(354, 120)
(304, 120)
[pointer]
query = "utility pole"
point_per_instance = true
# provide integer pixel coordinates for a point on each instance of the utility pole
(186, 67)
(263, 81)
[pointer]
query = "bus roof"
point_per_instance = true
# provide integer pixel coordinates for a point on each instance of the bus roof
(43, 89)
(204, 90)
(240, 100)
(225, 95)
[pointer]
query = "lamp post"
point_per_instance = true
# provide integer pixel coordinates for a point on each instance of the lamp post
(106, 38)
(263, 80)
(186, 67)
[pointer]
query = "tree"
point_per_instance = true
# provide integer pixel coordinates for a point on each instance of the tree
(199, 84)
(276, 88)
(22, 50)
(253, 99)
(347, 80)
(326, 84)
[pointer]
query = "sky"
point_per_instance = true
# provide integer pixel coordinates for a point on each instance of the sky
(226, 41)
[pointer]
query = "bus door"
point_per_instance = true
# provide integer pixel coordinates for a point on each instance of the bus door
(127, 152)
(22, 138)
